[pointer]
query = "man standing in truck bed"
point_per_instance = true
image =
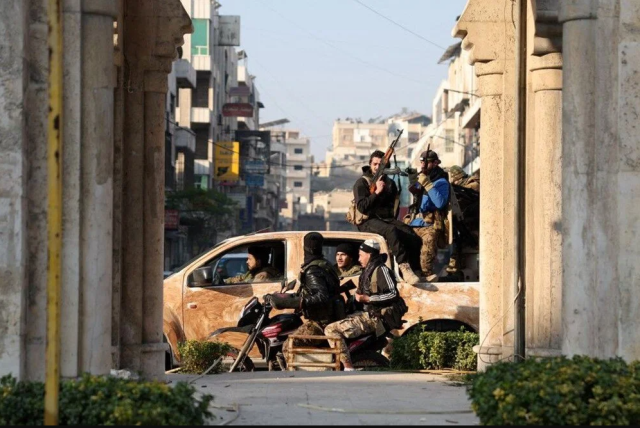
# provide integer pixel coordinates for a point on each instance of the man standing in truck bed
(380, 209)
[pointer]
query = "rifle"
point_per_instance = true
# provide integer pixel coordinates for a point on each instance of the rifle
(384, 163)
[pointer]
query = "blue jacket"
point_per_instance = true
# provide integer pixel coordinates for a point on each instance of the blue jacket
(435, 199)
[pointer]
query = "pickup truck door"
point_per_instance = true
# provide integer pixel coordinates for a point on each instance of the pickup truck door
(208, 308)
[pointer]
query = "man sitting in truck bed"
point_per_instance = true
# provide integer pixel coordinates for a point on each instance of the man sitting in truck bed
(259, 269)
(346, 263)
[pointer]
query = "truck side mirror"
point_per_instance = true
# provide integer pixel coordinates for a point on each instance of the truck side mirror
(202, 277)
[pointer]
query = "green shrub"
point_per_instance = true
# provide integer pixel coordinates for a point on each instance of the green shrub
(421, 349)
(558, 391)
(99, 400)
(197, 356)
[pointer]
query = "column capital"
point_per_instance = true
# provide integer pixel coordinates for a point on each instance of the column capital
(547, 34)
(573, 10)
(154, 29)
(486, 30)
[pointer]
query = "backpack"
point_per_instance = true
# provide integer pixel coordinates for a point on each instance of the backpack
(354, 216)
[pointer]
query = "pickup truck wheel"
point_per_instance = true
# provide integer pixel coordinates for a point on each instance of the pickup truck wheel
(367, 360)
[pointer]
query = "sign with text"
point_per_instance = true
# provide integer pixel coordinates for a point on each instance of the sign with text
(237, 110)
(171, 219)
(228, 30)
(254, 180)
(227, 161)
(255, 167)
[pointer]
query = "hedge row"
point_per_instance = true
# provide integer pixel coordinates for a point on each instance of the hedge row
(558, 391)
(420, 349)
(103, 400)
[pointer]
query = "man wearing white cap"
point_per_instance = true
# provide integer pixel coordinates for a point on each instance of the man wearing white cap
(378, 291)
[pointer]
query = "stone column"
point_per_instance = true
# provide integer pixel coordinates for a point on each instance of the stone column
(490, 83)
(152, 31)
(544, 292)
(98, 82)
(488, 34)
(601, 178)
(14, 161)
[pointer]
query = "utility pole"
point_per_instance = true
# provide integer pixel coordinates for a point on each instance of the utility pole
(519, 185)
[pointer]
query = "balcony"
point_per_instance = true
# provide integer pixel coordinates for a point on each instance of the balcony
(202, 167)
(202, 62)
(201, 115)
(185, 138)
(297, 174)
(297, 158)
(185, 74)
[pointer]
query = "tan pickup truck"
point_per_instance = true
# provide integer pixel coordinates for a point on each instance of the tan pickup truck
(193, 310)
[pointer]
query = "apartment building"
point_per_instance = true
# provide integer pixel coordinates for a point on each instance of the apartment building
(298, 178)
(454, 133)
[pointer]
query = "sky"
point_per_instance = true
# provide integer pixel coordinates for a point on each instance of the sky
(319, 60)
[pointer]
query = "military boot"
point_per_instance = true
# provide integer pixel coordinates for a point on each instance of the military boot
(407, 274)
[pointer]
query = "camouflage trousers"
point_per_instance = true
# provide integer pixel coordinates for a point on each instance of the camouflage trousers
(429, 250)
(355, 325)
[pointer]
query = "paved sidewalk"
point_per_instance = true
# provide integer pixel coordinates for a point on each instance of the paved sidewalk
(357, 398)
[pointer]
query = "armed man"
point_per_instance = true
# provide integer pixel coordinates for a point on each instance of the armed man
(379, 210)
(432, 191)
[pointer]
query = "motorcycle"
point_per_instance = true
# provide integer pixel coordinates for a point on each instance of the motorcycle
(270, 334)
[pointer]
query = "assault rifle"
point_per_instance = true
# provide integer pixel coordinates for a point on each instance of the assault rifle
(384, 163)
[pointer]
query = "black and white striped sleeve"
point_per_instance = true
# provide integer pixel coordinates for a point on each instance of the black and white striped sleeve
(387, 286)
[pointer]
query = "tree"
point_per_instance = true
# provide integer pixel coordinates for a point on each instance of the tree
(206, 212)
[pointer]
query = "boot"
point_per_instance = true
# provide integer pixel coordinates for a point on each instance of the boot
(407, 274)
(430, 277)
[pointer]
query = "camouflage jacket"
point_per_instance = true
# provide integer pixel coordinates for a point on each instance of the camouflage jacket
(355, 269)
(261, 275)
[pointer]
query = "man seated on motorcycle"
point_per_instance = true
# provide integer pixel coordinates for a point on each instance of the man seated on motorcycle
(345, 261)
(378, 291)
(319, 296)
(259, 269)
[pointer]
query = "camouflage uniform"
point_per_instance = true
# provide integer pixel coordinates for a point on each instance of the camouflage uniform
(356, 325)
(429, 249)
(430, 236)
(458, 177)
(355, 269)
(260, 275)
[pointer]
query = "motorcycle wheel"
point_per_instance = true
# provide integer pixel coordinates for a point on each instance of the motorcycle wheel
(246, 366)
(367, 360)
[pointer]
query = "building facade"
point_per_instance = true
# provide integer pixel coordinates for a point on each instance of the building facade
(579, 221)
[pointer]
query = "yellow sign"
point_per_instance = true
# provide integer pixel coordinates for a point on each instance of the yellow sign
(227, 161)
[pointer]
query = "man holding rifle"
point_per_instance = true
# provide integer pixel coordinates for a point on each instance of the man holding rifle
(378, 207)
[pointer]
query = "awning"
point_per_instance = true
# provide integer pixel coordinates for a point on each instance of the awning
(452, 51)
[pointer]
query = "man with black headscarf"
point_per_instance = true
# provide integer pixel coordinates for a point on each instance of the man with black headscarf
(383, 305)
(258, 265)
(432, 190)
(319, 295)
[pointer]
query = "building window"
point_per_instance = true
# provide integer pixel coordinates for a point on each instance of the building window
(297, 167)
(297, 151)
(449, 135)
(200, 37)
(297, 184)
